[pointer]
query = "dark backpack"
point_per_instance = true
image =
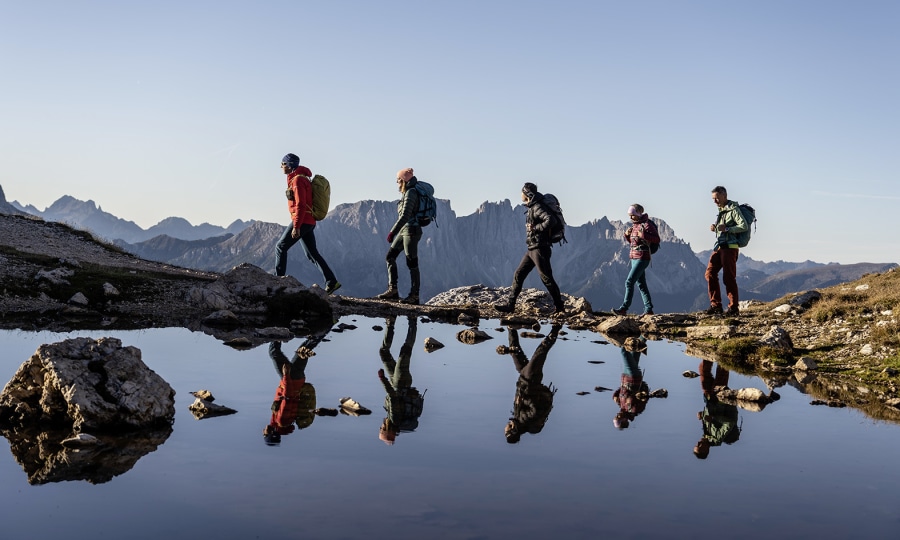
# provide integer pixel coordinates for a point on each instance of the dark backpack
(558, 225)
(743, 238)
(427, 211)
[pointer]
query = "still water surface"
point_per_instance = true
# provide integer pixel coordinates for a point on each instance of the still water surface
(794, 470)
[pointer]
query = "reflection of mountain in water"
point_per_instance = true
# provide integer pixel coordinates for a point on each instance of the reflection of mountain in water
(46, 461)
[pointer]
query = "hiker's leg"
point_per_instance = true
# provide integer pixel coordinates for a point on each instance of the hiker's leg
(545, 271)
(712, 278)
(642, 284)
(630, 280)
(391, 259)
(729, 275)
(281, 250)
(526, 265)
(308, 237)
(411, 250)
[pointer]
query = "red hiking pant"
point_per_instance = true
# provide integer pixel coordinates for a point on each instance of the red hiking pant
(725, 259)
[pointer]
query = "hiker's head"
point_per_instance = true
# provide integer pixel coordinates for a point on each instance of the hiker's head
(387, 432)
(511, 431)
(403, 176)
(702, 449)
(719, 196)
(290, 162)
(528, 191)
(271, 435)
(635, 211)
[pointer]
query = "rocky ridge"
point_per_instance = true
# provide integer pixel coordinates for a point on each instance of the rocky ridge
(854, 363)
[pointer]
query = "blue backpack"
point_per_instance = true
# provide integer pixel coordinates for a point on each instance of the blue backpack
(427, 211)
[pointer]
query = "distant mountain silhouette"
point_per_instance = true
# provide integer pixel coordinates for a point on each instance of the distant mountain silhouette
(88, 216)
(481, 248)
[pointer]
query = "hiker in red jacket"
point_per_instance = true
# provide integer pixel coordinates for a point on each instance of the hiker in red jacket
(299, 196)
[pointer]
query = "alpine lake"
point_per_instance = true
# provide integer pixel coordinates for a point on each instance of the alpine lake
(573, 463)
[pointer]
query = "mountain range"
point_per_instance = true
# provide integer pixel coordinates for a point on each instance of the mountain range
(481, 248)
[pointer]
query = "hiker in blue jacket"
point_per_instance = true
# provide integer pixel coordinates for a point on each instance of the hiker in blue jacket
(404, 237)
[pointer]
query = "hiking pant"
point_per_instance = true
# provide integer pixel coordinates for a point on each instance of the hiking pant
(637, 275)
(724, 259)
(279, 359)
(307, 239)
(406, 242)
(537, 258)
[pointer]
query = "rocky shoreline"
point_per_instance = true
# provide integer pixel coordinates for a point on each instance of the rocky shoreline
(56, 278)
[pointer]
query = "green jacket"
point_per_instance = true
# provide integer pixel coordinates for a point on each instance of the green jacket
(407, 209)
(731, 217)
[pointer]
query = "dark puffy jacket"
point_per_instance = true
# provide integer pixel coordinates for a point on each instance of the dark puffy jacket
(541, 220)
(407, 209)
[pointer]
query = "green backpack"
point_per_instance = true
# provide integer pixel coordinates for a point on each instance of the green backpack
(321, 197)
(743, 238)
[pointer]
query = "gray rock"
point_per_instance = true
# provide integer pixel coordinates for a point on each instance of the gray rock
(110, 290)
(78, 299)
(777, 338)
(432, 344)
(57, 276)
(806, 364)
(470, 336)
(715, 332)
(806, 299)
(87, 383)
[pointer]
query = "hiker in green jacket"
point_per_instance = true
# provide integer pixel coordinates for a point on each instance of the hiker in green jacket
(404, 237)
(729, 222)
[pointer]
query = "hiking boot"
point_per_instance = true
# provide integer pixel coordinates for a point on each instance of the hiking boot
(733, 311)
(331, 287)
(505, 307)
(713, 310)
(412, 299)
(391, 294)
(620, 311)
(648, 312)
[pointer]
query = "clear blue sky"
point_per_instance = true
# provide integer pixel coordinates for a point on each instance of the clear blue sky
(158, 109)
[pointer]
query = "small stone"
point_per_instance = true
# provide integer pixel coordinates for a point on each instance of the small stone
(78, 299)
(866, 350)
(690, 374)
(432, 344)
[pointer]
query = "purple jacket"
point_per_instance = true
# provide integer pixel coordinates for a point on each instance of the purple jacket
(640, 235)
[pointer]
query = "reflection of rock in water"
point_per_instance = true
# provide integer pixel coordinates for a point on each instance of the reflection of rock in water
(87, 385)
(45, 460)
(81, 385)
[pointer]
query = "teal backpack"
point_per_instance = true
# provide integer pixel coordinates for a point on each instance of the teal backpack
(427, 211)
(743, 238)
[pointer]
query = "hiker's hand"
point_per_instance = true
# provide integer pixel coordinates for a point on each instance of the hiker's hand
(712, 227)
(295, 233)
(390, 237)
(380, 373)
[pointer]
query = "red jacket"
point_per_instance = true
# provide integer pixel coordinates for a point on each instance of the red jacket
(285, 408)
(300, 203)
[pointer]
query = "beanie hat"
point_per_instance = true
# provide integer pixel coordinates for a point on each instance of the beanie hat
(529, 189)
(291, 160)
(405, 174)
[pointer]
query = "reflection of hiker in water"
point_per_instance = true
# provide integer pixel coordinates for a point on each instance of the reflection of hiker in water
(402, 401)
(720, 420)
(633, 393)
(533, 400)
(295, 399)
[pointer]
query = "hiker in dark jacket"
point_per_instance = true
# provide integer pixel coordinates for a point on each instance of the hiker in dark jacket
(533, 400)
(404, 237)
(640, 235)
(538, 221)
(403, 402)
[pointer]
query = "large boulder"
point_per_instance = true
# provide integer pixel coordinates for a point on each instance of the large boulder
(248, 289)
(88, 384)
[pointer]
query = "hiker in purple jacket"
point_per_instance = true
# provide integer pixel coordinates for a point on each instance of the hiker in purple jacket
(642, 234)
